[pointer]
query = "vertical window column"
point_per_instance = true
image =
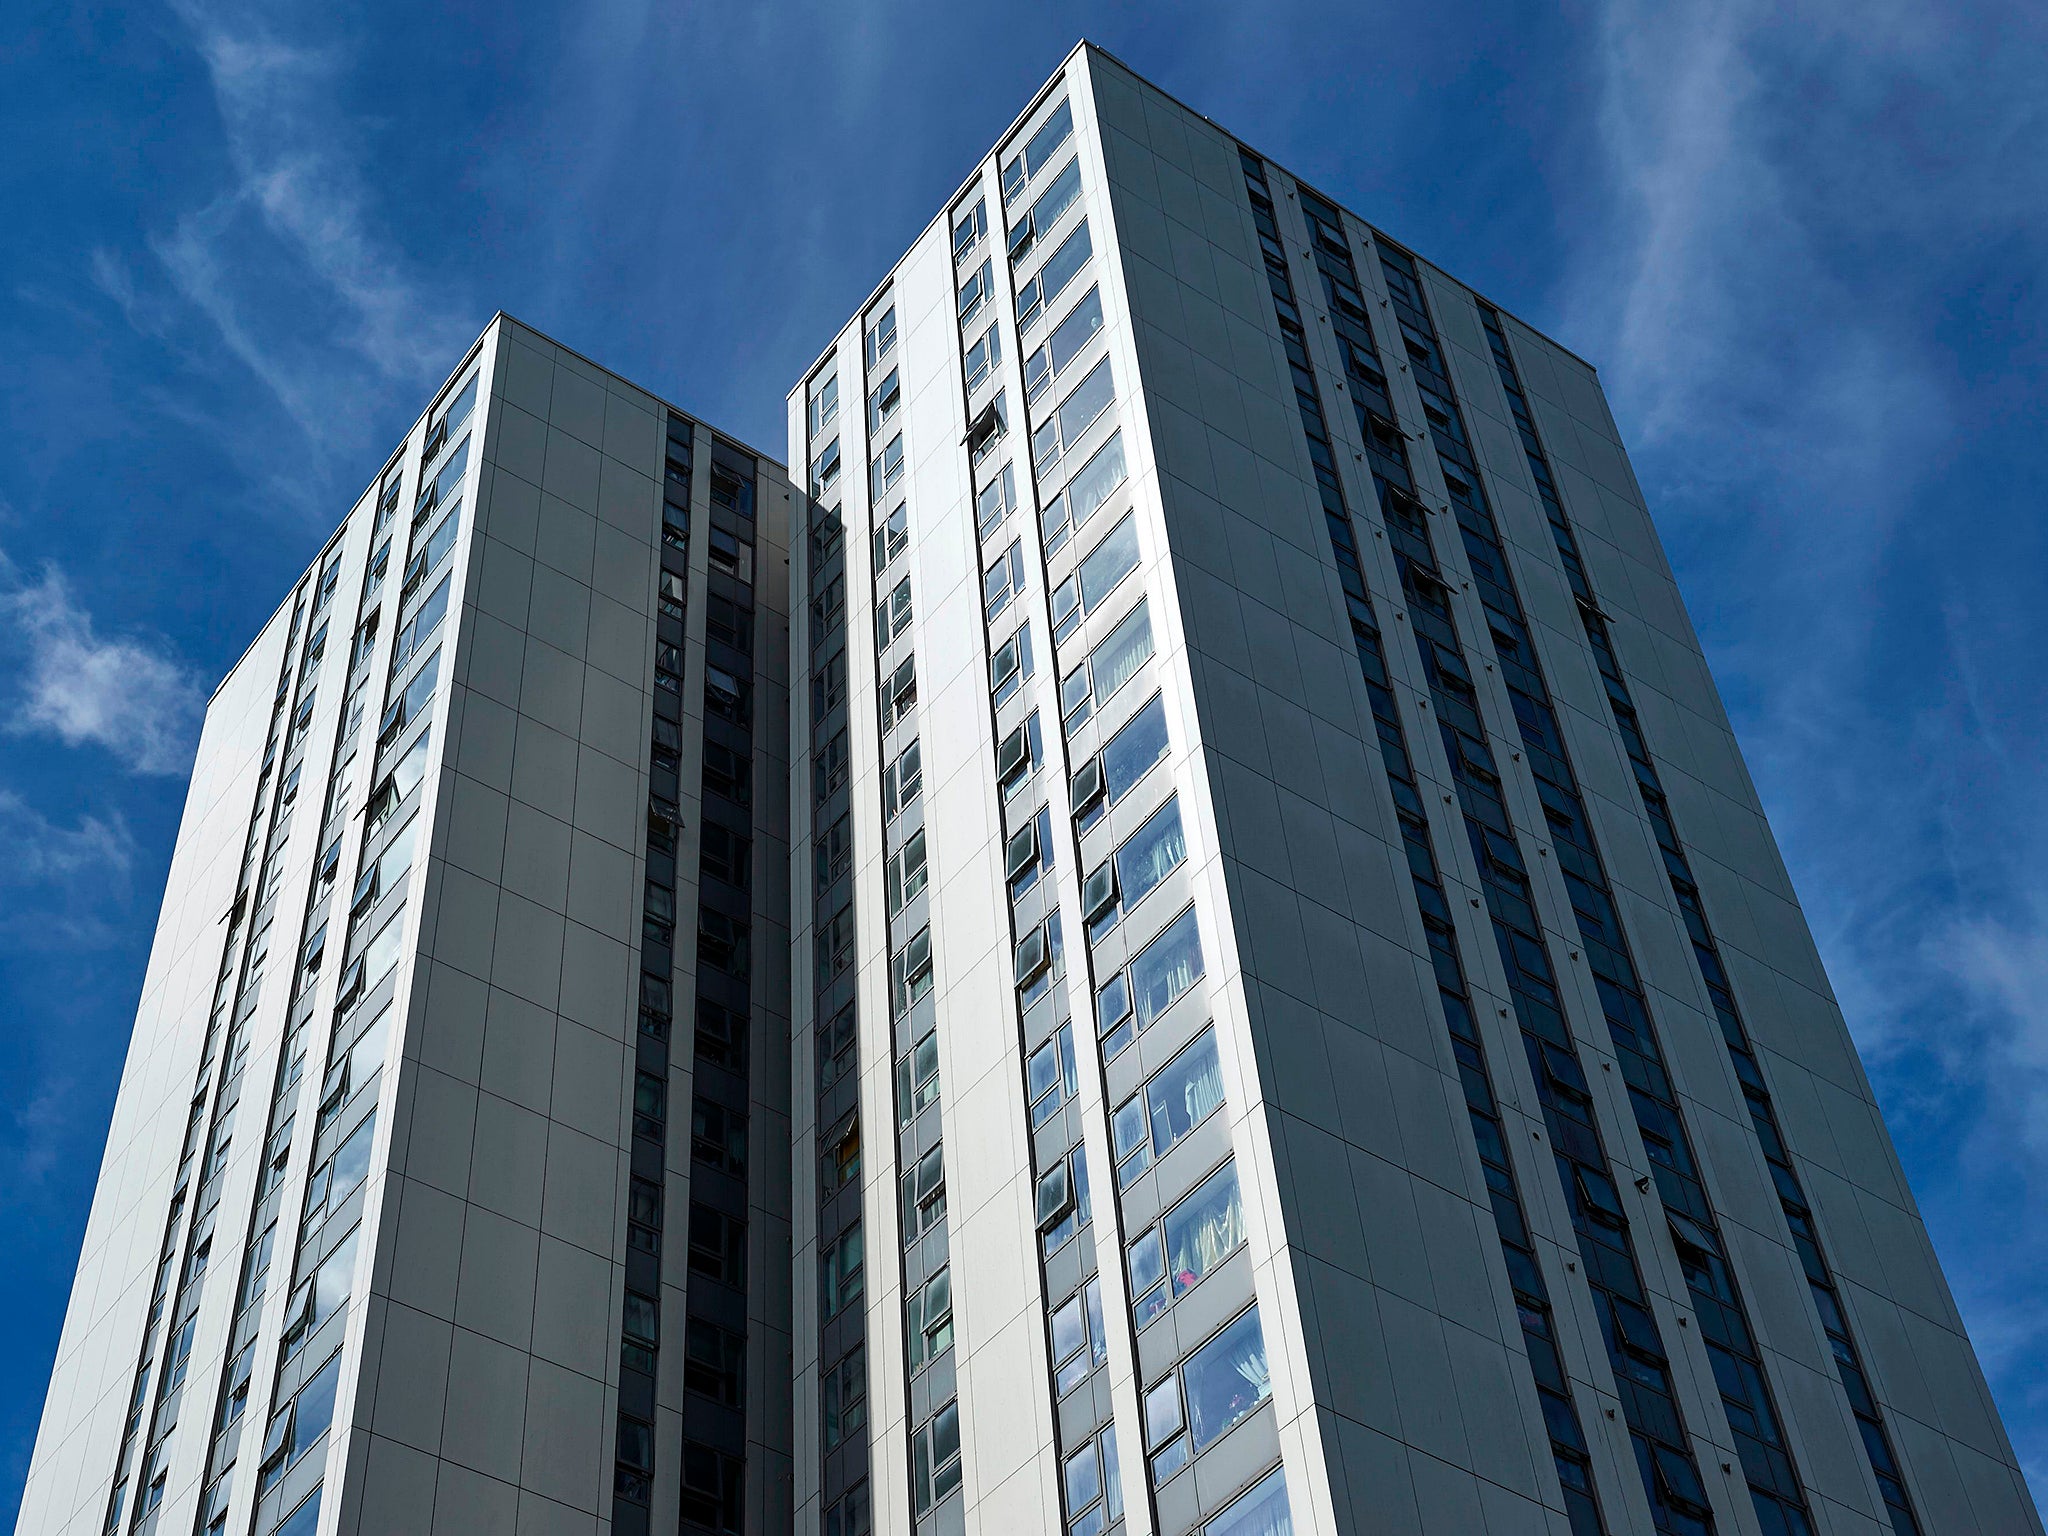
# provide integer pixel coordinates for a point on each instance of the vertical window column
(1569, 1452)
(1798, 1211)
(715, 1298)
(841, 1237)
(1774, 1483)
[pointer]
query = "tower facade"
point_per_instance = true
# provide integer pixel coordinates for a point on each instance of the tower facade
(442, 1187)
(1301, 1024)
(1174, 940)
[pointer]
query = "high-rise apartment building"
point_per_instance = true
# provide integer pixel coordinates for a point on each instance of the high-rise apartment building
(1301, 1023)
(443, 1192)
(1194, 895)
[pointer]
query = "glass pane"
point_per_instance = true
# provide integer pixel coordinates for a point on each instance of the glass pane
(1153, 852)
(1167, 967)
(1091, 397)
(1101, 475)
(1162, 1411)
(1261, 1512)
(1058, 196)
(1134, 749)
(1204, 1228)
(1069, 1331)
(1084, 1478)
(1184, 1092)
(1226, 1379)
(1122, 651)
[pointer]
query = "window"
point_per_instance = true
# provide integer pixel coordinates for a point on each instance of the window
(902, 780)
(728, 696)
(1051, 1076)
(986, 432)
(410, 704)
(642, 1331)
(839, 1166)
(1197, 1235)
(301, 1423)
(1058, 270)
(983, 358)
(1029, 853)
(714, 1362)
(1030, 160)
(837, 1042)
(1262, 1511)
(721, 1036)
(881, 336)
(1095, 1491)
(376, 961)
(850, 1516)
(1062, 1201)
(643, 1214)
(928, 1320)
(427, 556)
(1131, 752)
(1163, 970)
(828, 766)
(892, 537)
(969, 227)
(454, 416)
(1113, 662)
(1079, 1343)
(845, 1397)
(724, 942)
(441, 488)
(718, 1136)
(907, 872)
(674, 594)
(396, 785)
(840, 1273)
(426, 618)
(1003, 580)
(924, 1195)
(654, 1004)
(668, 666)
(899, 693)
(714, 1491)
(732, 555)
(832, 852)
(910, 970)
(884, 400)
(917, 1079)
(1062, 429)
(892, 615)
(1017, 754)
(725, 855)
(824, 401)
(935, 1457)
(1056, 199)
(975, 291)
(718, 1244)
(886, 469)
(1176, 1100)
(732, 483)
(835, 945)
(1072, 334)
(825, 469)
(1150, 854)
(996, 500)
(1226, 1379)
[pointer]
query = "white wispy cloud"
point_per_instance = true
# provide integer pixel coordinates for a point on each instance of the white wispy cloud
(288, 265)
(139, 703)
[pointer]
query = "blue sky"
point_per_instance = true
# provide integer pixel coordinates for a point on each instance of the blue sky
(1802, 241)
